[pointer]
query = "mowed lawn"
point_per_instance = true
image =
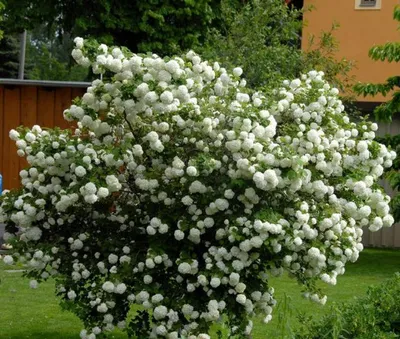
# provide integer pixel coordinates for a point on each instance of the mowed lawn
(27, 313)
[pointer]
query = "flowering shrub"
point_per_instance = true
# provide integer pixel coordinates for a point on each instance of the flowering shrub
(182, 192)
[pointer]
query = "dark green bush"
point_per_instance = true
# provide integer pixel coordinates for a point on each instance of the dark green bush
(263, 37)
(375, 316)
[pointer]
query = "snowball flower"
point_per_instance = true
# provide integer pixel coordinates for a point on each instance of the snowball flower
(237, 71)
(113, 183)
(33, 284)
(108, 286)
(191, 171)
(103, 192)
(80, 171)
(184, 268)
(78, 42)
(71, 295)
(160, 312)
(215, 282)
(241, 299)
(8, 260)
(120, 289)
(112, 259)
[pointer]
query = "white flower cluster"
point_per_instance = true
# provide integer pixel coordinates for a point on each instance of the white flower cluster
(182, 191)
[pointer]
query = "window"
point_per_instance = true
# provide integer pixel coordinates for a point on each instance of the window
(367, 3)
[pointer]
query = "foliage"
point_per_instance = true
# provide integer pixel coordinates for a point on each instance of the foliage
(47, 67)
(1, 18)
(9, 56)
(158, 26)
(377, 315)
(50, 57)
(264, 37)
(391, 53)
(392, 175)
(321, 55)
(182, 191)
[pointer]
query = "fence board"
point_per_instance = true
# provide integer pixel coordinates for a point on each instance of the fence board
(29, 104)
(388, 237)
(396, 235)
(62, 101)
(77, 92)
(45, 106)
(28, 113)
(12, 109)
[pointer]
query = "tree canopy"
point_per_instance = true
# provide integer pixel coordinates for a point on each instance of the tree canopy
(161, 26)
(9, 47)
(50, 58)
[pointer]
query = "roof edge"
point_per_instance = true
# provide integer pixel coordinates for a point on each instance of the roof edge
(44, 83)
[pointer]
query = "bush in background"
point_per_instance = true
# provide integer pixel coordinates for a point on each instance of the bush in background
(264, 38)
(376, 316)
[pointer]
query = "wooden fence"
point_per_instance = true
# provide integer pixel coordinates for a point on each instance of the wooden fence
(386, 237)
(28, 103)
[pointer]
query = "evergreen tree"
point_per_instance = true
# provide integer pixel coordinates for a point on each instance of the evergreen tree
(9, 53)
(1, 17)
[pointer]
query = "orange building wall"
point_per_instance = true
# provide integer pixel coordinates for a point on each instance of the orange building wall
(359, 31)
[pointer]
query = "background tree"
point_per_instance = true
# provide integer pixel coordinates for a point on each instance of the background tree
(9, 52)
(50, 57)
(1, 17)
(320, 54)
(388, 52)
(264, 37)
(159, 26)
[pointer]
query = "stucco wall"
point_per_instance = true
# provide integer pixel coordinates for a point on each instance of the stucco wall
(359, 31)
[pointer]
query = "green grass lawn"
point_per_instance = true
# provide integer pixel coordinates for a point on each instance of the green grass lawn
(27, 313)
